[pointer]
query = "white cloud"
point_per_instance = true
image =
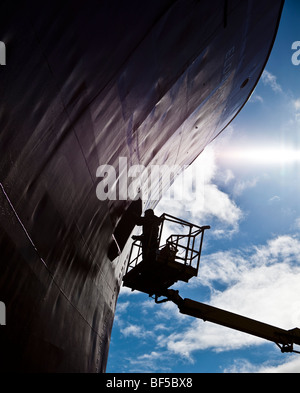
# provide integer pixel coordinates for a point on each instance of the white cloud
(242, 185)
(135, 330)
(162, 326)
(274, 199)
(125, 291)
(296, 224)
(244, 366)
(152, 355)
(209, 201)
(227, 176)
(271, 80)
(285, 249)
(147, 305)
(292, 366)
(297, 104)
(218, 204)
(225, 267)
(151, 362)
(122, 307)
(256, 98)
(131, 330)
(169, 311)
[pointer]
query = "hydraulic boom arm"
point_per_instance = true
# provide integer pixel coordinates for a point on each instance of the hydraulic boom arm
(283, 338)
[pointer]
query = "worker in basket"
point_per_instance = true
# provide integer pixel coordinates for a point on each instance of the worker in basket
(150, 223)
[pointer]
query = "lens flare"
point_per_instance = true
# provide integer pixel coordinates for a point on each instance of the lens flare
(265, 155)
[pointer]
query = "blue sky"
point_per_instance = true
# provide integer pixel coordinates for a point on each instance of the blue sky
(251, 257)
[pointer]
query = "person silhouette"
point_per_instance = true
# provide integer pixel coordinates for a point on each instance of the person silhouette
(150, 223)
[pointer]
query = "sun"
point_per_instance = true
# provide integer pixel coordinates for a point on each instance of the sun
(263, 155)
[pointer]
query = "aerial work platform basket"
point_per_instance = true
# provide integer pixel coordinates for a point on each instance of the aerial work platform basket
(176, 258)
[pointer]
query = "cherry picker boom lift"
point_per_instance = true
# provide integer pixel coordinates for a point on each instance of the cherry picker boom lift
(178, 258)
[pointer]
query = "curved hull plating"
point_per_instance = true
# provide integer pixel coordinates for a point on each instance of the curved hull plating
(87, 82)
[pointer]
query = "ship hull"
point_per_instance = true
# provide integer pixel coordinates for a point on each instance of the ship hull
(85, 83)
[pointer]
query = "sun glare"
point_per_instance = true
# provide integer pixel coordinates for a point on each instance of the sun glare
(266, 155)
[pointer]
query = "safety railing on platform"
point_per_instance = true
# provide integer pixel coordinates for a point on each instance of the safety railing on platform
(184, 247)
